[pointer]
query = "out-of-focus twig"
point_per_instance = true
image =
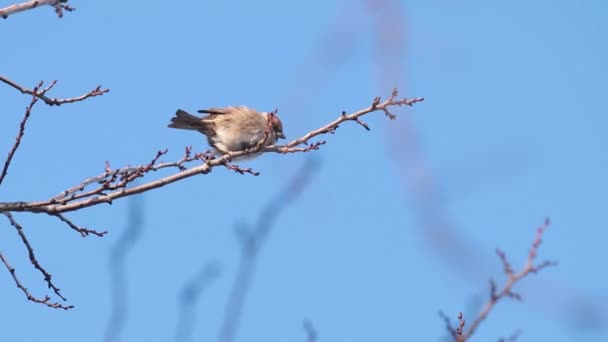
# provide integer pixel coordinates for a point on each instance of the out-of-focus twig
(188, 299)
(58, 5)
(507, 289)
(118, 270)
(311, 332)
(511, 338)
(251, 241)
(455, 332)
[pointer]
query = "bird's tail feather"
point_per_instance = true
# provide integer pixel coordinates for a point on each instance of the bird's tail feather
(184, 120)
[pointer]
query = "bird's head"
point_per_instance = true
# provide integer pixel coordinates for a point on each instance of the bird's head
(277, 125)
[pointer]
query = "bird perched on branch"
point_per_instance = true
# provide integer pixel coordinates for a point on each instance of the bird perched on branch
(232, 129)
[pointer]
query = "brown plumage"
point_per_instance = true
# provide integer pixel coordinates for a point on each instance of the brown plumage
(230, 129)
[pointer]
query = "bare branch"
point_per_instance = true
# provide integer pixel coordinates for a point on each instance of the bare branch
(58, 5)
(507, 289)
(32, 257)
(117, 183)
(331, 127)
(83, 231)
(46, 301)
(114, 183)
(21, 132)
(54, 101)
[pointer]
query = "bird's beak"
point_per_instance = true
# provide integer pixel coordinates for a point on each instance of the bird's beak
(281, 135)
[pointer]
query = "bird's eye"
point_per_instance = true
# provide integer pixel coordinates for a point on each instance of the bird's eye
(276, 124)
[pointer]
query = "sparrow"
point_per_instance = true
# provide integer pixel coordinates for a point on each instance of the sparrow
(231, 129)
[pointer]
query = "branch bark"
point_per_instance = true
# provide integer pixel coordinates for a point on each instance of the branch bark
(115, 183)
(53, 101)
(58, 5)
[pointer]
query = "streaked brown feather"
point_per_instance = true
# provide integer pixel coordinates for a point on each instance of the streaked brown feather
(229, 129)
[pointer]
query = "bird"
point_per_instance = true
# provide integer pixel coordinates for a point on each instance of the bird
(231, 129)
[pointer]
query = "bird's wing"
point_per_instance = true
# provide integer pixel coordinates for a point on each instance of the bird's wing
(227, 110)
(217, 111)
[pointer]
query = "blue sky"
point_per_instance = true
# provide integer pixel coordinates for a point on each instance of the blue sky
(512, 130)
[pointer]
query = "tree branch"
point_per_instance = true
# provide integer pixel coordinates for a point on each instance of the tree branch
(34, 260)
(58, 5)
(46, 301)
(21, 132)
(54, 101)
(114, 183)
(39, 93)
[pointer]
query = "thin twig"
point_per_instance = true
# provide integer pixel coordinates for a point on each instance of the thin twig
(46, 301)
(32, 256)
(331, 127)
(54, 101)
(58, 5)
(84, 232)
(21, 132)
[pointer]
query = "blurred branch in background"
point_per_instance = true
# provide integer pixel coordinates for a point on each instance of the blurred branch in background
(252, 239)
(389, 28)
(188, 299)
(422, 186)
(58, 5)
(425, 189)
(119, 286)
(458, 333)
(311, 332)
(511, 338)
